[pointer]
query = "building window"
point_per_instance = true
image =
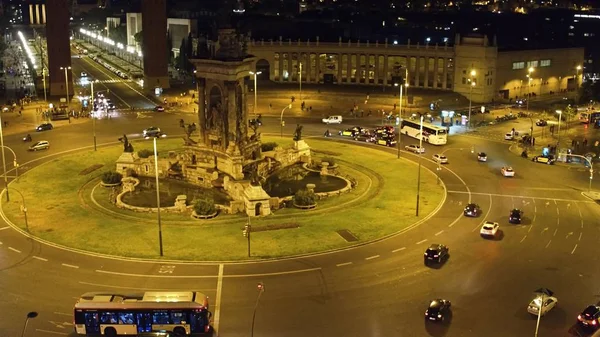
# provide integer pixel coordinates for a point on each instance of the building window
(545, 63)
(533, 64)
(518, 65)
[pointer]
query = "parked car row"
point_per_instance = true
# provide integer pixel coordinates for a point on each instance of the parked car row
(383, 135)
(108, 66)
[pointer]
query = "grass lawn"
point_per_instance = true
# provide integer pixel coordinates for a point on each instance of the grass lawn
(60, 209)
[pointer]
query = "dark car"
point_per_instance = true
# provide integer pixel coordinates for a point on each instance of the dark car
(44, 127)
(384, 130)
(589, 317)
(515, 216)
(365, 137)
(544, 159)
(438, 310)
(472, 210)
(386, 141)
(152, 131)
(541, 122)
(436, 253)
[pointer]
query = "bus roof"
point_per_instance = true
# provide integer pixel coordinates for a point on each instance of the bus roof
(425, 124)
(147, 300)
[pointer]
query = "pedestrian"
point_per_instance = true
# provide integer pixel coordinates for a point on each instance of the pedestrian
(5, 124)
(310, 108)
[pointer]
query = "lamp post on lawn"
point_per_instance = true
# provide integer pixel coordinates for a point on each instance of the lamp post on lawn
(530, 78)
(419, 172)
(281, 123)
(559, 112)
(160, 241)
(471, 85)
(589, 162)
(578, 68)
(93, 99)
(66, 81)
(255, 93)
(16, 165)
(400, 109)
(261, 290)
(30, 315)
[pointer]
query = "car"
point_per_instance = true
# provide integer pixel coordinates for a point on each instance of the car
(83, 74)
(438, 310)
(333, 120)
(541, 122)
(365, 137)
(44, 127)
(509, 136)
(549, 303)
(152, 131)
(544, 159)
(111, 106)
(472, 210)
(414, 148)
(40, 145)
(481, 156)
(489, 228)
(384, 130)
(386, 141)
(351, 132)
(436, 253)
(589, 317)
(507, 171)
(440, 158)
(159, 108)
(515, 216)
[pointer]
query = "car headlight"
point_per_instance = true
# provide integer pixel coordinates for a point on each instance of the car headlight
(439, 315)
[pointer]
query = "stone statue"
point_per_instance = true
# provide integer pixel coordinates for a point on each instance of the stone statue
(298, 132)
(127, 147)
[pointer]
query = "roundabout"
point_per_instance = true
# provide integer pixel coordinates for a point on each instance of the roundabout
(77, 212)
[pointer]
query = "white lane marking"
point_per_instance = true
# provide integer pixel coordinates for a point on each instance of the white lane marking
(343, 264)
(420, 242)
(52, 332)
(399, 249)
(548, 244)
(39, 258)
(218, 299)
(102, 286)
(14, 250)
(371, 257)
(523, 239)
(3, 228)
(573, 251)
(63, 313)
(568, 234)
(580, 234)
(521, 196)
(209, 276)
(70, 266)
(556, 230)
(440, 232)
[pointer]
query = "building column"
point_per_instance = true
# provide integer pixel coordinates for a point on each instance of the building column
(318, 67)
(31, 22)
(435, 72)
(417, 70)
(306, 66)
(339, 69)
(43, 14)
(426, 83)
(376, 69)
(408, 69)
(445, 74)
(281, 60)
(385, 70)
(348, 68)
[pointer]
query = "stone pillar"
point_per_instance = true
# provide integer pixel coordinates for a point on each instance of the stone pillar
(408, 68)
(435, 72)
(385, 70)
(318, 67)
(417, 70)
(349, 68)
(281, 60)
(59, 52)
(201, 83)
(339, 68)
(445, 74)
(426, 60)
(376, 69)
(154, 28)
(306, 67)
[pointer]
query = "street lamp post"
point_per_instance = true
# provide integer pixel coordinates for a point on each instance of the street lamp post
(44, 79)
(30, 315)
(160, 241)
(559, 112)
(66, 81)
(261, 289)
(4, 160)
(400, 117)
(529, 78)
(578, 68)
(419, 172)
(300, 79)
(23, 207)
(471, 85)
(255, 87)
(93, 98)
(281, 124)
(539, 315)
(589, 162)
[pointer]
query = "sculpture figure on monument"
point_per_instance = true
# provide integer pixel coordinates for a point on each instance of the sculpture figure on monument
(127, 147)
(298, 132)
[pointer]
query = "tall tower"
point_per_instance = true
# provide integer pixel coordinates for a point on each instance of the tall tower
(59, 51)
(154, 30)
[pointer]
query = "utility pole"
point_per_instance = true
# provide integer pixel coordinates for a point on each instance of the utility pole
(246, 232)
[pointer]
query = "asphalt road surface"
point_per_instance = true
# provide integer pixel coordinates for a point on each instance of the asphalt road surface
(380, 289)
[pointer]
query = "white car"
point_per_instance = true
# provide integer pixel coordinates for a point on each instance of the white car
(41, 145)
(481, 156)
(509, 136)
(489, 228)
(549, 303)
(507, 171)
(440, 158)
(414, 148)
(333, 120)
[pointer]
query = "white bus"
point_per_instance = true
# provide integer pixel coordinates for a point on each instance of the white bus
(432, 134)
(182, 313)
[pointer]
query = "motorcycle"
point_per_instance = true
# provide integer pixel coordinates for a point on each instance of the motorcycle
(27, 138)
(327, 134)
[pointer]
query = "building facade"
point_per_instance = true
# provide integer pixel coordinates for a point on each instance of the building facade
(472, 67)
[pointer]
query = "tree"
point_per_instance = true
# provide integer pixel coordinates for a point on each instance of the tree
(589, 91)
(118, 33)
(170, 55)
(139, 38)
(189, 48)
(182, 56)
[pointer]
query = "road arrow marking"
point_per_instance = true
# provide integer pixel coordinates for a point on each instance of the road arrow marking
(573, 251)
(569, 234)
(545, 229)
(57, 325)
(547, 203)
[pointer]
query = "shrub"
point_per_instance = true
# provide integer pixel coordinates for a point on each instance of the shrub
(205, 206)
(268, 146)
(145, 153)
(329, 160)
(305, 198)
(111, 177)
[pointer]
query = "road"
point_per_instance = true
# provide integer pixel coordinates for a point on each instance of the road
(379, 289)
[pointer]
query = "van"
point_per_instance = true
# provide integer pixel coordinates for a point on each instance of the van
(333, 120)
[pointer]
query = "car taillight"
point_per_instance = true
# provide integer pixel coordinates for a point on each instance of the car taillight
(435, 256)
(594, 322)
(579, 317)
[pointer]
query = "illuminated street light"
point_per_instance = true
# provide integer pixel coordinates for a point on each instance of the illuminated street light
(578, 68)
(400, 108)
(66, 81)
(160, 241)
(559, 112)
(93, 99)
(420, 155)
(261, 290)
(472, 83)
(281, 123)
(30, 315)
(255, 87)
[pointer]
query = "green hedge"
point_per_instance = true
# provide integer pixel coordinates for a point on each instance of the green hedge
(268, 146)
(329, 160)
(305, 198)
(145, 153)
(205, 206)
(111, 177)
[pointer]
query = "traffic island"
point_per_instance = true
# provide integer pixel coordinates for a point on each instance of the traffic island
(73, 210)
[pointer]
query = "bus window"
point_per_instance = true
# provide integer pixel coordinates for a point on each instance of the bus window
(108, 318)
(144, 322)
(91, 322)
(198, 321)
(160, 318)
(126, 318)
(177, 317)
